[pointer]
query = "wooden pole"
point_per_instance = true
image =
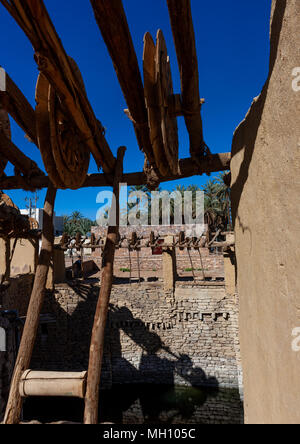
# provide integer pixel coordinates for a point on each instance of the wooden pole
(14, 406)
(98, 334)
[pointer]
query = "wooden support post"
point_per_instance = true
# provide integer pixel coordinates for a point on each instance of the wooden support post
(169, 265)
(98, 334)
(14, 405)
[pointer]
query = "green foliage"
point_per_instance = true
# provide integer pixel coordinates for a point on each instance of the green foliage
(76, 223)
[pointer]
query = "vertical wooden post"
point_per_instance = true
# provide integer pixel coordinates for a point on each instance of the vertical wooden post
(14, 405)
(169, 265)
(98, 334)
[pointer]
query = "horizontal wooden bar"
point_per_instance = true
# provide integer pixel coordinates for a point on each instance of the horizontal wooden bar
(188, 167)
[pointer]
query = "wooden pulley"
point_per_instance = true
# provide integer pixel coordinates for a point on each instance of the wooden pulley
(134, 238)
(5, 127)
(158, 87)
(93, 241)
(181, 240)
(152, 238)
(65, 155)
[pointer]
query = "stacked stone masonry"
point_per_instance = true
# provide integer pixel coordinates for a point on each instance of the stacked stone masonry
(186, 337)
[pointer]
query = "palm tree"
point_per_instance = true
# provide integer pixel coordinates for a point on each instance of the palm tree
(224, 196)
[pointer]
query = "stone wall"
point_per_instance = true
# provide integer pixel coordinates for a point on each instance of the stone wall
(265, 195)
(18, 294)
(189, 337)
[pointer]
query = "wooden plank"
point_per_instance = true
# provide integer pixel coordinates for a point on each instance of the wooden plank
(184, 36)
(54, 63)
(14, 405)
(112, 21)
(188, 168)
(16, 104)
(98, 333)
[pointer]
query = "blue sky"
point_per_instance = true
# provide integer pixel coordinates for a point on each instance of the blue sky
(232, 40)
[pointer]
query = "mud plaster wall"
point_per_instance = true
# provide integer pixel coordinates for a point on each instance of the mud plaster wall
(265, 194)
(186, 338)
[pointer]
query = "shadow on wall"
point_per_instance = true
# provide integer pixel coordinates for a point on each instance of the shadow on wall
(158, 362)
(151, 384)
(65, 344)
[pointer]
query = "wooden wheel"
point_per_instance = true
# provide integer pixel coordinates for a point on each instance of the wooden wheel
(5, 127)
(66, 157)
(158, 89)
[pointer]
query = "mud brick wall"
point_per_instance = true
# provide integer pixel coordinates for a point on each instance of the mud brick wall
(186, 337)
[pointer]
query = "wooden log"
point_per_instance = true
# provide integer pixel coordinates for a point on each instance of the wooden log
(59, 384)
(112, 21)
(53, 62)
(14, 405)
(5, 127)
(16, 104)
(169, 264)
(188, 167)
(12, 153)
(184, 36)
(97, 341)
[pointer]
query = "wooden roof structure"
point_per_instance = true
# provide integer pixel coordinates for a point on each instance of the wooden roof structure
(66, 131)
(64, 127)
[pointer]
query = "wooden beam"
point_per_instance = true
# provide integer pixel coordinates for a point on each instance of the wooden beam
(188, 167)
(14, 155)
(14, 405)
(112, 21)
(16, 104)
(53, 62)
(184, 36)
(98, 334)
